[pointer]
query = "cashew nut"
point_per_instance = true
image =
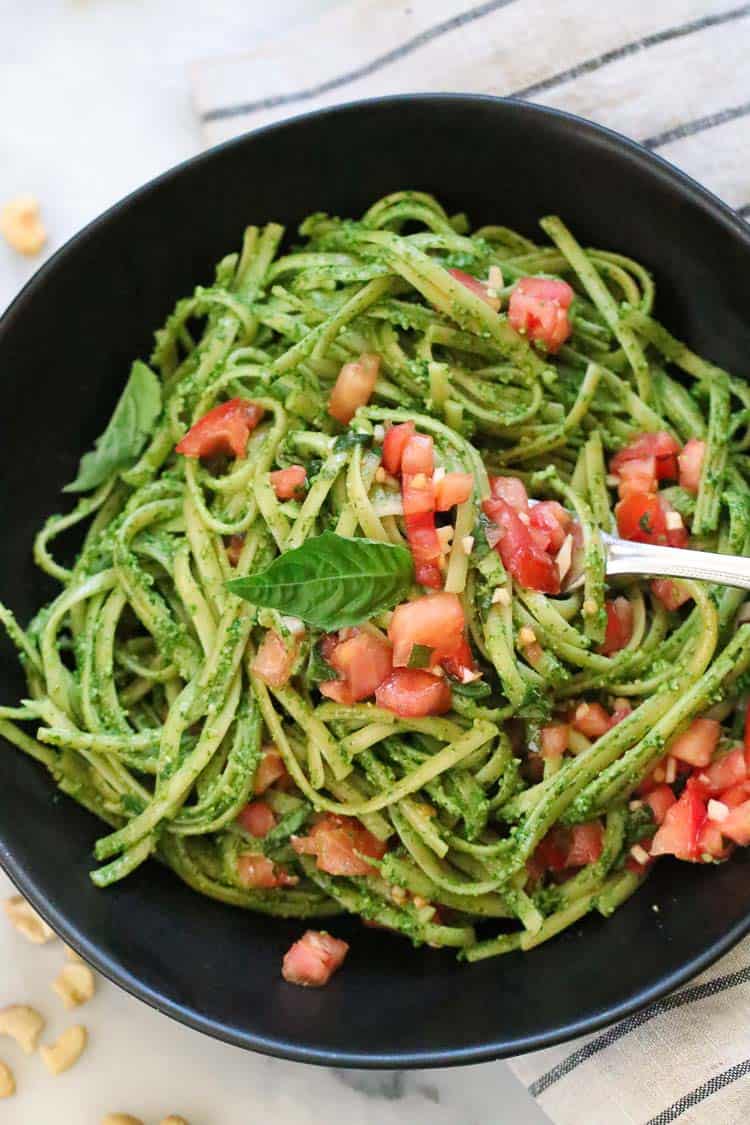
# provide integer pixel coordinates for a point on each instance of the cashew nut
(65, 1051)
(72, 955)
(24, 1024)
(74, 984)
(121, 1119)
(173, 1120)
(7, 1081)
(21, 225)
(27, 921)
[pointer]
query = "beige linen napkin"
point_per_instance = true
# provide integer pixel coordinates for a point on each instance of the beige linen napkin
(675, 75)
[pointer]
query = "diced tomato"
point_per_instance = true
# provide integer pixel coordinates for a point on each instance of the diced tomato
(676, 536)
(619, 626)
(552, 518)
(512, 491)
(551, 853)
(712, 843)
(737, 824)
(586, 844)
(747, 734)
(459, 662)
(270, 769)
(555, 740)
(313, 959)
(234, 548)
(225, 429)
(418, 455)
(414, 693)
(425, 547)
(394, 443)
(591, 719)
(660, 800)
(696, 745)
(637, 476)
(417, 494)
(539, 308)
(364, 661)
(679, 834)
(257, 818)
(436, 621)
(477, 287)
(640, 518)
(289, 482)
(670, 592)
(522, 557)
(736, 795)
(259, 872)
(454, 488)
(620, 713)
(353, 387)
(725, 772)
(691, 464)
(335, 841)
(661, 446)
(273, 661)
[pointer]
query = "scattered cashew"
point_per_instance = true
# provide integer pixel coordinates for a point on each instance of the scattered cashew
(65, 1051)
(24, 1024)
(121, 1119)
(27, 921)
(7, 1081)
(74, 984)
(21, 225)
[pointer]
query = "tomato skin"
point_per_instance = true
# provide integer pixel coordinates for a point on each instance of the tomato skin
(259, 872)
(424, 544)
(273, 661)
(257, 818)
(691, 464)
(418, 455)
(414, 693)
(696, 745)
(670, 592)
(724, 773)
(454, 488)
(637, 476)
(313, 959)
(660, 445)
(335, 841)
(522, 557)
(477, 287)
(660, 800)
(554, 738)
(363, 661)
(552, 518)
(538, 308)
(593, 721)
(640, 518)
(270, 769)
(551, 852)
(680, 832)
(417, 494)
(287, 483)
(436, 621)
(394, 443)
(224, 429)
(353, 387)
(736, 794)
(586, 844)
(619, 626)
(512, 491)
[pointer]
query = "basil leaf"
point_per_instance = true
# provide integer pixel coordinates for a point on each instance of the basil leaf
(331, 582)
(319, 671)
(350, 439)
(127, 430)
(476, 689)
(420, 656)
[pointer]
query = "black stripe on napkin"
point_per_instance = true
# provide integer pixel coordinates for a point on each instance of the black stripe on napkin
(700, 1093)
(612, 1034)
(690, 128)
(627, 49)
(400, 52)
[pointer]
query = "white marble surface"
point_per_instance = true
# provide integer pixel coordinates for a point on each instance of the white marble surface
(96, 100)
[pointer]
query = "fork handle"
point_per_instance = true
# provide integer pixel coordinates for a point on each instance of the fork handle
(624, 557)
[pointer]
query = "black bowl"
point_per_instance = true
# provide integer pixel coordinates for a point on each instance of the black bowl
(65, 349)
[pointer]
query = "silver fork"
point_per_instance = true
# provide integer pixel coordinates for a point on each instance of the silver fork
(625, 557)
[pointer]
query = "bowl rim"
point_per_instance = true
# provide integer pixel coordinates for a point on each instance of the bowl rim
(500, 1046)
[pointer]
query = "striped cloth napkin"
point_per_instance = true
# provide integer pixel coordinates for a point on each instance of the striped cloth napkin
(674, 75)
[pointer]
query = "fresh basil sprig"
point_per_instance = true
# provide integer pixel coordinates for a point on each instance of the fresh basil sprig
(331, 582)
(127, 431)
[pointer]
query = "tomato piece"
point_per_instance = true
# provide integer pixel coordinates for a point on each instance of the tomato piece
(353, 387)
(676, 536)
(736, 795)
(554, 739)
(619, 626)
(551, 852)
(459, 663)
(225, 429)
(522, 557)
(747, 735)
(414, 693)
(679, 834)
(436, 621)
(660, 445)
(477, 287)
(512, 491)
(554, 520)
(234, 548)
(417, 494)
(257, 818)
(620, 713)
(312, 961)
(640, 518)
(660, 800)
(273, 662)
(418, 455)
(724, 773)
(737, 824)
(538, 308)
(363, 661)
(696, 745)
(691, 464)
(452, 489)
(394, 443)
(711, 842)
(586, 844)
(592, 720)
(335, 841)
(287, 483)
(270, 769)
(670, 592)
(425, 547)
(637, 476)
(259, 872)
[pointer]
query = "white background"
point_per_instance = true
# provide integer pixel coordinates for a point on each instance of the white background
(95, 100)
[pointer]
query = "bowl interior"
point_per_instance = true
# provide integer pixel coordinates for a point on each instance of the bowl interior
(65, 349)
